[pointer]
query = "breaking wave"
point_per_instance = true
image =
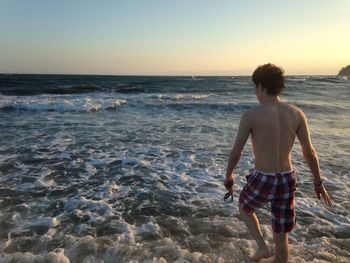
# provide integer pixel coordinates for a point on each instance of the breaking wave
(60, 104)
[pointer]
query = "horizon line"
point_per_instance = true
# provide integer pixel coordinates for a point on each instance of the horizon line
(152, 75)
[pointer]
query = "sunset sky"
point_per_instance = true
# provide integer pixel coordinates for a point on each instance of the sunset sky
(178, 37)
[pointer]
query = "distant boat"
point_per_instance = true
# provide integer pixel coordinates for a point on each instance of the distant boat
(195, 78)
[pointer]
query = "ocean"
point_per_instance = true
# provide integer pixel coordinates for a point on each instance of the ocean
(131, 169)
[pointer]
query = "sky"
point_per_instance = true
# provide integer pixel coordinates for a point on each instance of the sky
(177, 37)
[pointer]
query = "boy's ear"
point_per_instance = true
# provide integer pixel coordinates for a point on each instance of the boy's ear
(259, 86)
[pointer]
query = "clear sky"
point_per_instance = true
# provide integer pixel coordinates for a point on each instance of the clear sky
(173, 37)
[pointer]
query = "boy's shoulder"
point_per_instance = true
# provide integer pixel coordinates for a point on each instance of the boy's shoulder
(254, 111)
(249, 111)
(295, 109)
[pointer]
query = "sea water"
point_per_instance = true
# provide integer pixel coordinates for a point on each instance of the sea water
(131, 169)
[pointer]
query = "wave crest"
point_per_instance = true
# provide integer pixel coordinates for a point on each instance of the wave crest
(178, 97)
(59, 104)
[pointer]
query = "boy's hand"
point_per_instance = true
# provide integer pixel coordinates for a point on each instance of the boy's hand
(321, 191)
(229, 181)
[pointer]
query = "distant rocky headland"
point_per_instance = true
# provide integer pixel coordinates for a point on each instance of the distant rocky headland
(344, 71)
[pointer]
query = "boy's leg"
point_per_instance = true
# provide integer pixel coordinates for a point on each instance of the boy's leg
(283, 217)
(252, 223)
(281, 247)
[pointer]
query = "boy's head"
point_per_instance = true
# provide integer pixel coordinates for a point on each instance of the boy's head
(270, 77)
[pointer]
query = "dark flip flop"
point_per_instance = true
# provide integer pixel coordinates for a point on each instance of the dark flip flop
(227, 195)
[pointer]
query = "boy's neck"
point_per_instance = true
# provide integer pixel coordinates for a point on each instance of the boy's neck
(270, 99)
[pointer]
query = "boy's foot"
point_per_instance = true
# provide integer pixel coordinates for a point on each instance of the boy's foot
(260, 253)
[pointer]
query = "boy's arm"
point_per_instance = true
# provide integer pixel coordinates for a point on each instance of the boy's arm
(241, 138)
(308, 150)
(310, 156)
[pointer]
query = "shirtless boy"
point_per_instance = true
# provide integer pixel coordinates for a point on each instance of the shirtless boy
(273, 126)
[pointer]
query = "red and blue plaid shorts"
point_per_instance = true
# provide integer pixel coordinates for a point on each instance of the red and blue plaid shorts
(277, 188)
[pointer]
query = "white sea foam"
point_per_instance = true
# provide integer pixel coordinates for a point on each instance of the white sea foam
(60, 103)
(182, 97)
(52, 257)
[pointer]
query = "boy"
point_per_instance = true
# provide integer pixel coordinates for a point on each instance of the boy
(273, 126)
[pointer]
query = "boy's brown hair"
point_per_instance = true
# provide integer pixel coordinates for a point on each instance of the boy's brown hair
(270, 77)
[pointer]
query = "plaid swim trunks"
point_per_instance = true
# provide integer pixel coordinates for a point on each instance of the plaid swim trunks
(277, 188)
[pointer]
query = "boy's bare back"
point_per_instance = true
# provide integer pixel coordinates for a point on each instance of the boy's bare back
(273, 130)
